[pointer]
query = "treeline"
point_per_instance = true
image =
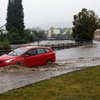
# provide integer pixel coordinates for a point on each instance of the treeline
(13, 36)
(16, 32)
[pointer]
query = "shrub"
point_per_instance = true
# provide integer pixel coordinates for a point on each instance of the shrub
(4, 45)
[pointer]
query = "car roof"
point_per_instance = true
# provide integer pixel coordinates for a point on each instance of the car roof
(32, 47)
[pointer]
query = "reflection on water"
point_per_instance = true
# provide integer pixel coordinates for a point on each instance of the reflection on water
(82, 51)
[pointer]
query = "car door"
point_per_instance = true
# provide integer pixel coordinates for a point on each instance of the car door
(42, 56)
(30, 58)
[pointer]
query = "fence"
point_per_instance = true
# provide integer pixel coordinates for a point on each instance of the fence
(60, 46)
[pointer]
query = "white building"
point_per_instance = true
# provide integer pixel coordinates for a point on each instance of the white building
(97, 34)
(56, 31)
(53, 31)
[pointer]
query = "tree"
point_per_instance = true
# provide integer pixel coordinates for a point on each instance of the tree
(98, 23)
(85, 23)
(10, 15)
(30, 36)
(14, 37)
(19, 16)
(68, 34)
(40, 34)
(15, 16)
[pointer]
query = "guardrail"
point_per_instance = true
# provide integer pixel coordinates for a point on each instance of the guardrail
(60, 46)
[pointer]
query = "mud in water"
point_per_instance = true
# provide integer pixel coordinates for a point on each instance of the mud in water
(80, 62)
(14, 68)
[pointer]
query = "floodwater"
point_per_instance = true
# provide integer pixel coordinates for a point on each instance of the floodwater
(68, 60)
(45, 42)
(49, 42)
(79, 52)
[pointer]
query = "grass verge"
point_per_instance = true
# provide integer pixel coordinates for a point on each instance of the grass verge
(79, 85)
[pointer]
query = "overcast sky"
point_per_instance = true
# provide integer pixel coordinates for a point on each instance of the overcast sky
(48, 13)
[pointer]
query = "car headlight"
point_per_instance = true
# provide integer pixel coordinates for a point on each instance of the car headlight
(9, 60)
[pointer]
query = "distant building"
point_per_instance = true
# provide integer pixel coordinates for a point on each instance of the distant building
(56, 31)
(49, 33)
(60, 33)
(53, 31)
(97, 35)
(63, 31)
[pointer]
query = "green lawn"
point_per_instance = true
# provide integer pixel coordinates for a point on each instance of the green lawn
(79, 85)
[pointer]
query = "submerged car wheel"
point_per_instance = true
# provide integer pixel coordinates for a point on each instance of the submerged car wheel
(19, 63)
(49, 62)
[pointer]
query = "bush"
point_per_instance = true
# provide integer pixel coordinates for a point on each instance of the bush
(18, 41)
(14, 37)
(4, 45)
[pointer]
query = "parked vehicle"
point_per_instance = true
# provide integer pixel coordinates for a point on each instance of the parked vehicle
(28, 56)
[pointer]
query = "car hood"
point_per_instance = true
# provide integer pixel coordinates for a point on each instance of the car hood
(6, 57)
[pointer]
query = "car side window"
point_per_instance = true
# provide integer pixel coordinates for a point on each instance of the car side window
(47, 50)
(32, 52)
(40, 51)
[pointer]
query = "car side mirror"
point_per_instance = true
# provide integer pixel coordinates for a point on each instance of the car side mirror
(26, 55)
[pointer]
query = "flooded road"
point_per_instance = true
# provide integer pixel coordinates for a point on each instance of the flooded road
(68, 60)
(79, 52)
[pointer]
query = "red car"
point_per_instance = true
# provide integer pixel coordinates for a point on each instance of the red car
(28, 56)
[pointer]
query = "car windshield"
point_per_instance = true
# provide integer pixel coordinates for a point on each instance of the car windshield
(17, 52)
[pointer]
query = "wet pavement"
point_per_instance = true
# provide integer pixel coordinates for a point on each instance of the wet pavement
(68, 60)
(79, 52)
